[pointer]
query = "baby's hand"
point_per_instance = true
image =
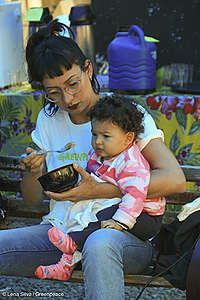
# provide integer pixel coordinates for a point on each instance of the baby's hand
(111, 224)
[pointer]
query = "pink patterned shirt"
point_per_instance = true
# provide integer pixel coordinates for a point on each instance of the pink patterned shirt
(131, 172)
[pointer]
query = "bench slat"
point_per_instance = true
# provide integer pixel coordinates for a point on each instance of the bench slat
(192, 173)
(10, 184)
(130, 280)
(17, 208)
(10, 163)
(183, 198)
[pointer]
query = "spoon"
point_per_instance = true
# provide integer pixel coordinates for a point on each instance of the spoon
(67, 147)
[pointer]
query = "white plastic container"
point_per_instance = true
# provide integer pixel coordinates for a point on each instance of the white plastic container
(12, 61)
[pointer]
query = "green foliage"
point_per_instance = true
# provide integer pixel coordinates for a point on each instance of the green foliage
(181, 119)
(8, 112)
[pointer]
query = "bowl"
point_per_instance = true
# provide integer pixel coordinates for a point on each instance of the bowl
(60, 179)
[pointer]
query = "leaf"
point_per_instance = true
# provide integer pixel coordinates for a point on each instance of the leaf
(181, 118)
(186, 147)
(175, 142)
(14, 146)
(5, 132)
(8, 111)
(192, 159)
(194, 128)
(142, 101)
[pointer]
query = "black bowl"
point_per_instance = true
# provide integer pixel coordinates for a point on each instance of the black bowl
(60, 179)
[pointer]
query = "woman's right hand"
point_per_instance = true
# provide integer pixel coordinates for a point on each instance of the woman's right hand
(33, 162)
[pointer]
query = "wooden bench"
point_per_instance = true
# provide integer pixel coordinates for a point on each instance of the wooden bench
(16, 207)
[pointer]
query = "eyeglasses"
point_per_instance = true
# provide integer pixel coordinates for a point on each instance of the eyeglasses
(57, 94)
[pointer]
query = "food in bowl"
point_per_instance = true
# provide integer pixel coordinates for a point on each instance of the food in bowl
(60, 179)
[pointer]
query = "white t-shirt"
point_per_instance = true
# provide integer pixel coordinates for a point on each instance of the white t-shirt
(53, 133)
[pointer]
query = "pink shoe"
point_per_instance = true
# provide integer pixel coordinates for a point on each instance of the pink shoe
(59, 271)
(62, 240)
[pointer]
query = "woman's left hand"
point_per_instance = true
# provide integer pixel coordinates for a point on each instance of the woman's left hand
(88, 188)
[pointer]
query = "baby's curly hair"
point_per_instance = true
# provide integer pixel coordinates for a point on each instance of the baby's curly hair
(121, 111)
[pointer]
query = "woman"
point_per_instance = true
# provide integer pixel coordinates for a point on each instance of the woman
(58, 66)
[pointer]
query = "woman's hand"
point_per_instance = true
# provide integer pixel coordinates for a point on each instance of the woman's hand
(83, 191)
(33, 163)
(88, 188)
(111, 224)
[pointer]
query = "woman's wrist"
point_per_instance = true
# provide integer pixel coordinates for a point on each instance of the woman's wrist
(32, 175)
(107, 190)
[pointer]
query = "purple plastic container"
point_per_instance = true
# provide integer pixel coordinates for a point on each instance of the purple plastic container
(132, 62)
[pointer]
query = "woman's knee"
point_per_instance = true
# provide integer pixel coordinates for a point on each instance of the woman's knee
(110, 245)
(100, 241)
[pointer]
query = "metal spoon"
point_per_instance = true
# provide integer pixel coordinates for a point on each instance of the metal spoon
(67, 147)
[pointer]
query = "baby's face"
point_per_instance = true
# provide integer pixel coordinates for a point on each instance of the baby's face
(108, 139)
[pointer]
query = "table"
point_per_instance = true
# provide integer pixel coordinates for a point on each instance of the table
(176, 114)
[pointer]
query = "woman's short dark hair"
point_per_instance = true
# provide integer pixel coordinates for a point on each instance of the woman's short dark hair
(48, 51)
(121, 111)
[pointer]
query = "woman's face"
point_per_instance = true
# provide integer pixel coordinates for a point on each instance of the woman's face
(72, 91)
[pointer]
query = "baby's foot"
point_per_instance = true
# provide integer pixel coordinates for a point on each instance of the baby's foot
(62, 240)
(59, 271)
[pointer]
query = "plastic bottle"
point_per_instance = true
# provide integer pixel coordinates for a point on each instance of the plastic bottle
(132, 62)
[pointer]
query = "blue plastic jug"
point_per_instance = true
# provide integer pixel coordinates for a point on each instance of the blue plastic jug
(132, 62)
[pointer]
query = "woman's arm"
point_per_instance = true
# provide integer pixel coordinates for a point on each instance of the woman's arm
(166, 178)
(34, 167)
(166, 175)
